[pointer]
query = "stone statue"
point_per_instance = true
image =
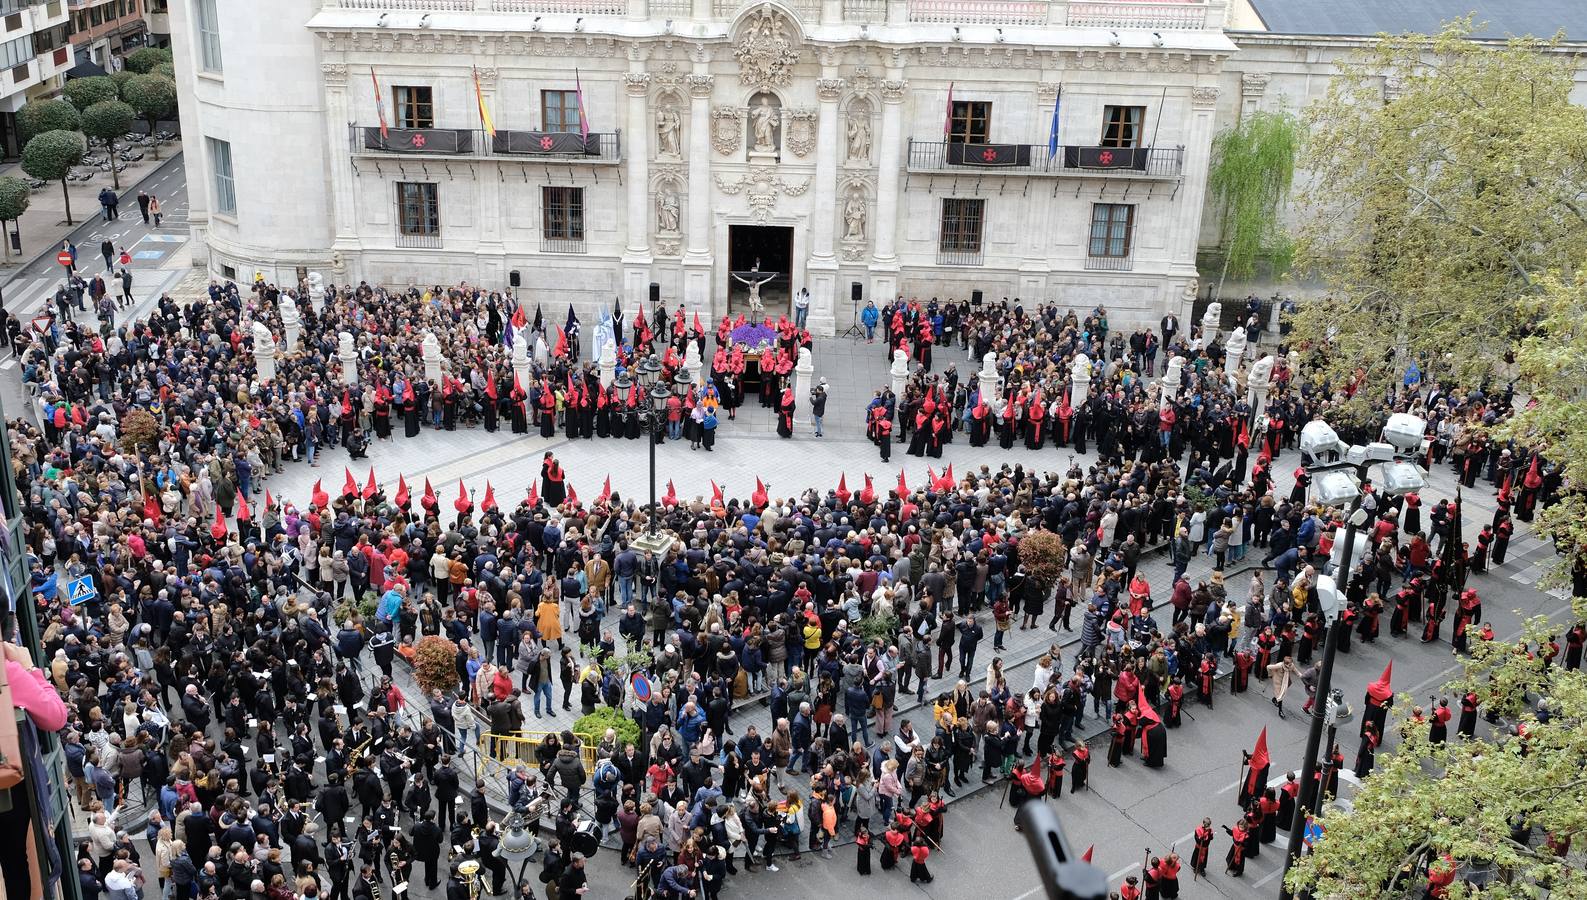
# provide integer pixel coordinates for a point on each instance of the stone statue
(754, 282)
(667, 211)
(262, 337)
(668, 124)
(344, 344)
(1209, 323)
(859, 137)
(316, 288)
(763, 119)
(854, 218)
(1234, 351)
(1261, 373)
(1080, 369)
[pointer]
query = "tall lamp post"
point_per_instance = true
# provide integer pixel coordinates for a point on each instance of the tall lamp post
(1337, 475)
(653, 419)
(517, 845)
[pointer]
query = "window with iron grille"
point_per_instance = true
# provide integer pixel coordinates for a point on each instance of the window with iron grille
(1121, 126)
(970, 122)
(225, 185)
(414, 105)
(961, 225)
(559, 111)
(1112, 230)
(207, 17)
(418, 209)
(562, 213)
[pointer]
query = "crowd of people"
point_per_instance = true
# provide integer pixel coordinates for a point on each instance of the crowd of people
(235, 669)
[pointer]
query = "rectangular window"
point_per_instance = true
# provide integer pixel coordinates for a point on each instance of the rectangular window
(562, 219)
(207, 15)
(1121, 126)
(414, 106)
(970, 122)
(959, 238)
(16, 52)
(96, 16)
(418, 213)
(559, 111)
(225, 187)
(1112, 230)
(228, 272)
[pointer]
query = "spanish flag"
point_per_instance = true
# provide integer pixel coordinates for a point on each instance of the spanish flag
(484, 114)
(380, 103)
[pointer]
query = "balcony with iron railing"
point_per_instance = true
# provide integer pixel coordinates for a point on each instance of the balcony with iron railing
(563, 148)
(1113, 15)
(1035, 159)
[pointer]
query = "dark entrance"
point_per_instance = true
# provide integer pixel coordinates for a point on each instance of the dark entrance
(772, 247)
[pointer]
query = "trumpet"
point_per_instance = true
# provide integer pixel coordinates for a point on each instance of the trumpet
(357, 754)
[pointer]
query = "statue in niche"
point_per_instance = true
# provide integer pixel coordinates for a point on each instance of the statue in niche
(667, 211)
(668, 125)
(859, 136)
(854, 218)
(763, 120)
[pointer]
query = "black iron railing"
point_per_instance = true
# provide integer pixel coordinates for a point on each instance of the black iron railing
(1071, 159)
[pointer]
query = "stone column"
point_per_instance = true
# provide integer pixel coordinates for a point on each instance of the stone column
(991, 382)
(490, 253)
(899, 373)
(697, 292)
(349, 358)
(343, 198)
(520, 361)
(1234, 352)
(884, 266)
(636, 256)
(822, 267)
(1258, 383)
(804, 372)
(1186, 226)
(608, 363)
(1209, 323)
(292, 320)
(692, 362)
(1079, 380)
(430, 352)
(1173, 376)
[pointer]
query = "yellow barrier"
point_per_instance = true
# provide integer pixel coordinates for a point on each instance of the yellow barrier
(520, 748)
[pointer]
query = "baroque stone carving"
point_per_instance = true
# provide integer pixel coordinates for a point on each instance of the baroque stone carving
(766, 54)
(1204, 96)
(638, 83)
(701, 85)
(727, 127)
(668, 127)
(829, 88)
(335, 74)
(893, 91)
(762, 186)
(1253, 84)
(800, 135)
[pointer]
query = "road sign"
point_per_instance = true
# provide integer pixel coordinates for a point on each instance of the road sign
(80, 591)
(1313, 834)
(64, 258)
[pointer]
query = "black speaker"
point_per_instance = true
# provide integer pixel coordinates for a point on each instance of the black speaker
(856, 291)
(975, 298)
(514, 279)
(655, 293)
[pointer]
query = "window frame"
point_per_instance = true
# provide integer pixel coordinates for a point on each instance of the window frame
(1123, 126)
(413, 105)
(1105, 217)
(963, 118)
(222, 177)
(418, 209)
(562, 213)
(567, 104)
(958, 237)
(206, 21)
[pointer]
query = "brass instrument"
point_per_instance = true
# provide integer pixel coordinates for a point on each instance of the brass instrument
(357, 754)
(468, 871)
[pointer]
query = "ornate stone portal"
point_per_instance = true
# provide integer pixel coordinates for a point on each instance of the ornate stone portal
(765, 52)
(762, 186)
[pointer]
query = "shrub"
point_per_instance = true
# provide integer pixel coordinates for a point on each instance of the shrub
(85, 92)
(139, 430)
(144, 60)
(39, 116)
(435, 663)
(596, 723)
(877, 625)
(1042, 553)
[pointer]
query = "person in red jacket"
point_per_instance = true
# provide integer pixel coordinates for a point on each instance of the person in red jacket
(1168, 877)
(1198, 858)
(918, 873)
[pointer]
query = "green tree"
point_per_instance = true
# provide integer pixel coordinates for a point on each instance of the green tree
(1430, 214)
(1253, 166)
(50, 156)
(154, 98)
(40, 116)
(85, 92)
(166, 69)
(14, 199)
(108, 120)
(1508, 798)
(143, 61)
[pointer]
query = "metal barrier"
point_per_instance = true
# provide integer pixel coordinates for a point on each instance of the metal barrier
(510, 750)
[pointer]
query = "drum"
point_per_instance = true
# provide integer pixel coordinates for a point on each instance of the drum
(586, 837)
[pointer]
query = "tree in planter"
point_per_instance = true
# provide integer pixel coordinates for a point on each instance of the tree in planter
(50, 157)
(596, 723)
(14, 199)
(85, 92)
(140, 431)
(41, 116)
(154, 98)
(1044, 558)
(435, 664)
(108, 120)
(1253, 166)
(144, 60)
(876, 626)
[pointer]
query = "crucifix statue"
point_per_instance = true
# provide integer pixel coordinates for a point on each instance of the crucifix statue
(754, 278)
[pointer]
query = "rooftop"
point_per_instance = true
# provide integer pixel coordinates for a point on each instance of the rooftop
(1493, 18)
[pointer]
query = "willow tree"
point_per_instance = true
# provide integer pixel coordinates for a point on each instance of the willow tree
(1445, 174)
(1499, 813)
(1253, 167)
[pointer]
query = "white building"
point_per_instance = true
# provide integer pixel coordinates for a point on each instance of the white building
(813, 136)
(34, 57)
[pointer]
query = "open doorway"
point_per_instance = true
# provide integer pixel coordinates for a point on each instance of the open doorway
(763, 249)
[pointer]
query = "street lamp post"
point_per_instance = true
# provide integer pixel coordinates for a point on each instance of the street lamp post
(516, 846)
(1334, 464)
(652, 417)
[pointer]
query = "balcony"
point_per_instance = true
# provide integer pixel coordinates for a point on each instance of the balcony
(1033, 159)
(978, 12)
(1166, 16)
(600, 148)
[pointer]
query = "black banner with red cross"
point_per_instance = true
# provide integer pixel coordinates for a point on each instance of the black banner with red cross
(988, 155)
(420, 140)
(549, 142)
(1105, 157)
